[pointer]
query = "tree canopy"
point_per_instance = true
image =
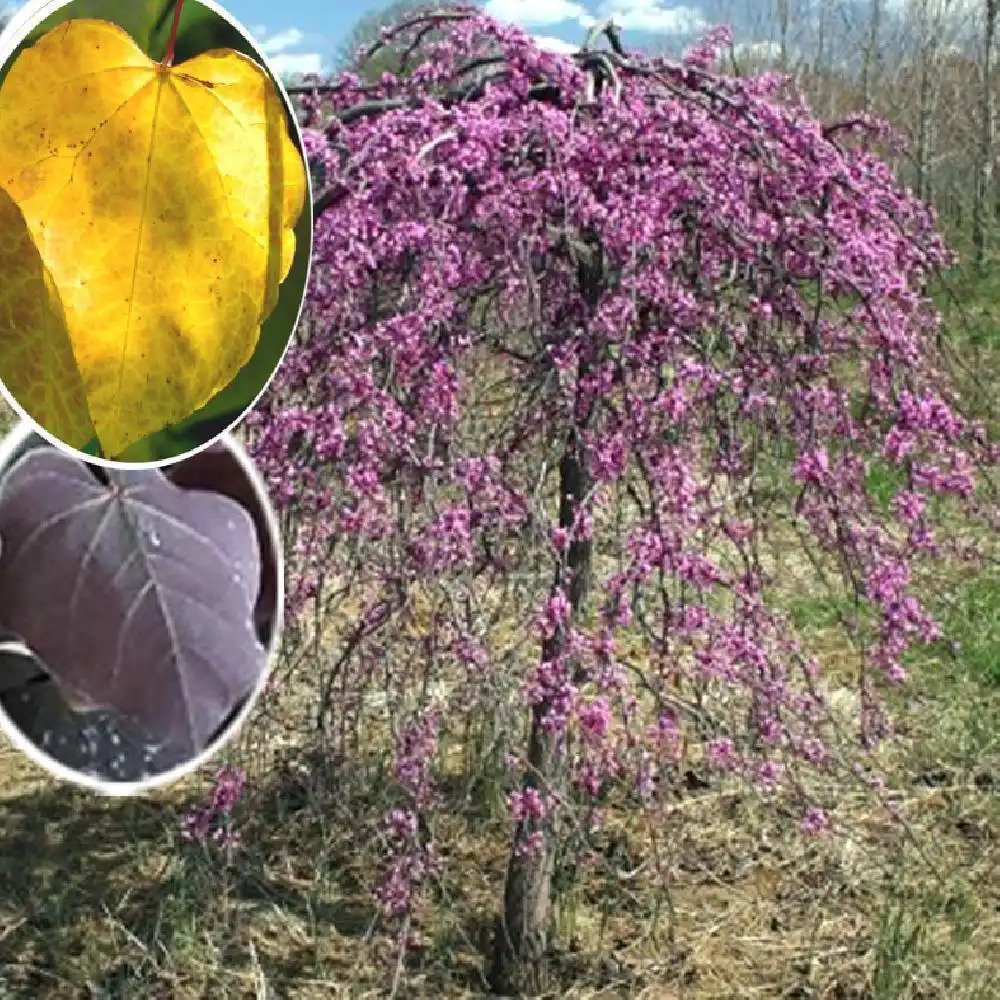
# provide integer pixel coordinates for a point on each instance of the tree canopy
(367, 32)
(581, 333)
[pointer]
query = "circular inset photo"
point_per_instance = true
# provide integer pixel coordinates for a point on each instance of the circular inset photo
(155, 225)
(139, 609)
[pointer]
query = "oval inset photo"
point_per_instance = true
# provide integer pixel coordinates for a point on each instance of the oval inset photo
(139, 609)
(155, 225)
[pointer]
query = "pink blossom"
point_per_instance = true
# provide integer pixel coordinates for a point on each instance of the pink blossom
(532, 431)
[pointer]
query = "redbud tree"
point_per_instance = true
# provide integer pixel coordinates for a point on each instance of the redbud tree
(582, 333)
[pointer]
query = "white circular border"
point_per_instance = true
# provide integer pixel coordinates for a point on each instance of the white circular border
(26, 19)
(121, 789)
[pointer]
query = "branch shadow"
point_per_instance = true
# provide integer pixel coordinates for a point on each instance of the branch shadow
(102, 898)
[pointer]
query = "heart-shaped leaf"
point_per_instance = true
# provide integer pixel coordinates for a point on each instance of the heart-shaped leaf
(147, 21)
(217, 468)
(37, 365)
(137, 595)
(162, 200)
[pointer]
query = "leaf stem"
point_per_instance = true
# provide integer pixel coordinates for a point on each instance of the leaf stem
(168, 59)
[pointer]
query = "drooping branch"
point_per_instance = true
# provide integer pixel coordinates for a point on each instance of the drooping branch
(541, 328)
(602, 67)
(426, 22)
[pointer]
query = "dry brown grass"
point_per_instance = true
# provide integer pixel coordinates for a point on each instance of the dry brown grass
(102, 899)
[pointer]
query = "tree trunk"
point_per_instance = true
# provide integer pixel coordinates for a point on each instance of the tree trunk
(925, 110)
(870, 65)
(783, 19)
(821, 72)
(519, 964)
(987, 125)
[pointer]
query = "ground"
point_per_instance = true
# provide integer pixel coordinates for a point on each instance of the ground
(101, 898)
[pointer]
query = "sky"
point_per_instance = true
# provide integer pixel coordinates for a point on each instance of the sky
(304, 36)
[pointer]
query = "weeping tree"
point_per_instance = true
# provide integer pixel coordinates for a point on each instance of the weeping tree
(353, 55)
(582, 334)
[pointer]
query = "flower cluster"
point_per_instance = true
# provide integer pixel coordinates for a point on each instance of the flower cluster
(575, 329)
(411, 856)
(213, 822)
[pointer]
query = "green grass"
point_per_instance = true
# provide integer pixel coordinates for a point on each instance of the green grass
(815, 612)
(969, 305)
(8, 418)
(897, 945)
(884, 482)
(972, 628)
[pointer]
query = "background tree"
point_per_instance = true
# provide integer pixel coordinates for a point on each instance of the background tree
(870, 64)
(921, 66)
(987, 137)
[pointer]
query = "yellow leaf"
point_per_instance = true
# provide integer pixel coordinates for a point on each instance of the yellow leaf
(35, 353)
(162, 201)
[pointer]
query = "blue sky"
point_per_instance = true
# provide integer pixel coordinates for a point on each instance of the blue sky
(304, 36)
(299, 35)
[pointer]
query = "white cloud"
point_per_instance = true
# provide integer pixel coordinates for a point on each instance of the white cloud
(764, 51)
(552, 44)
(271, 45)
(278, 48)
(536, 13)
(654, 16)
(296, 62)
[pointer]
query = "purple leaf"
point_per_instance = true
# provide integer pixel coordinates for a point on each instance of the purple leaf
(216, 468)
(100, 743)
(136, 595)
(18, 669)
